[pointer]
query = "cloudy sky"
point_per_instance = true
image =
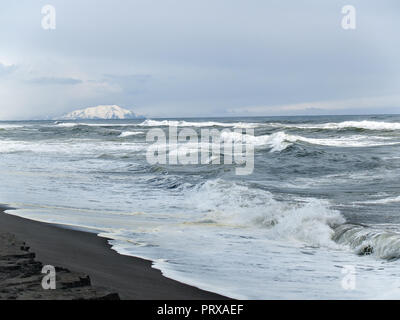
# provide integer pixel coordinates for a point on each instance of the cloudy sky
(169, 58)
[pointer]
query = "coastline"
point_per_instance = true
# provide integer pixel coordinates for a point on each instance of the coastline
(86, 253)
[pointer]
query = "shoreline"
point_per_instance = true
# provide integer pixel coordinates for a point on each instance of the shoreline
(86, 253)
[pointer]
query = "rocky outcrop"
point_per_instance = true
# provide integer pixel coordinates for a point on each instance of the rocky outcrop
(21, 277)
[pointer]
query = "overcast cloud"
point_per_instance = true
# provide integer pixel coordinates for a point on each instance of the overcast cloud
(171, 58)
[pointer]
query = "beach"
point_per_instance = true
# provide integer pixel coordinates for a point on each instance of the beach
(322, 203)
(77, 256)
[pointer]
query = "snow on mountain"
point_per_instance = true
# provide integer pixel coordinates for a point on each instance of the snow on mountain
(100, 112)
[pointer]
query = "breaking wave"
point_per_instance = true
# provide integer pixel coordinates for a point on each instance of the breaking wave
(10, 126)
(279, 141)
(381, 201)
(312, 222)
(365, 124)
(130, 133)
(82, 124)
(174, 123)
(366, 240)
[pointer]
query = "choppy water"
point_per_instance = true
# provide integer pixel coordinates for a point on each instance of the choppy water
(324, 195)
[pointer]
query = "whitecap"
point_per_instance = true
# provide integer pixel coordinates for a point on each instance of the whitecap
(365, 124)
(130, 133)
(175, 123)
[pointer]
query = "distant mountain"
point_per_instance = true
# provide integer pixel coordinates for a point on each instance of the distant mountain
(100, 113)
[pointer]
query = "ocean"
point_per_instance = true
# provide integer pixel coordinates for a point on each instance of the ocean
(318, 217)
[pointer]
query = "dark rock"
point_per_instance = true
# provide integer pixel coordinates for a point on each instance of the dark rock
(21, 277)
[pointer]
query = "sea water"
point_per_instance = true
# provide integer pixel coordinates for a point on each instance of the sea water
(321, 205)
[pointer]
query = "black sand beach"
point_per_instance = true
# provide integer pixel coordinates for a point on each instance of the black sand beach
(80, 254)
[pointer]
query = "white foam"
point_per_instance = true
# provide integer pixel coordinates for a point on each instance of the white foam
(70, 147)
(381, 201)
(276, 141)
(365, 124)
(174, 123)
(68, 124)
(309, 223)
(280, 140)
(77, 124)
(349, 141)
(10, 126)
(130, 133)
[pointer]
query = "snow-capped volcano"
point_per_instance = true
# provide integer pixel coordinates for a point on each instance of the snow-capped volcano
(100, 112)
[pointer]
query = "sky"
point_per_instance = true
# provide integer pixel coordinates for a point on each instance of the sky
(192, 58)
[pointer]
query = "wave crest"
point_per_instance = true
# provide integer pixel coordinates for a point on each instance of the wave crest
(176, 123)
(130, 133)
(280, 141)
(368, 240)
(364, 124)
(312, 222)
